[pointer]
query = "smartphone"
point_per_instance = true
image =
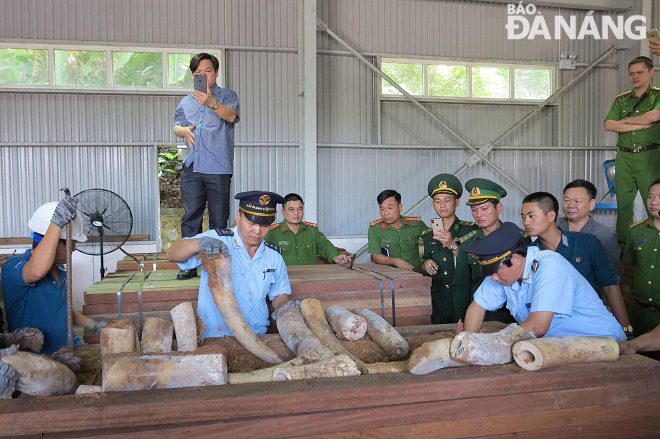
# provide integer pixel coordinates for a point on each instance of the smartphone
(200, 82)
(436, 225)
(652, 33)
(385, 251)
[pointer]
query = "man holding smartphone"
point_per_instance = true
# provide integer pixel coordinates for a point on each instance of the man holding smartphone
(205, 119)
(441, 244)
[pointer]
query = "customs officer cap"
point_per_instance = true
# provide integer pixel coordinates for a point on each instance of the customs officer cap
(445, 184)
(497, 245)
(258, 206)
(482, 190)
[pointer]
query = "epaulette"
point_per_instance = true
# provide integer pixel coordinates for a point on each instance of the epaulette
(464, 238)
(467, 223)
(224, 232)
(523, 233)
(274, 226)
(310, 224)
(623, 94)
(373, 223)
(413, 218)
(427, 231)
(273, 246)
(638, 223)
(535, 265)
(656, 88)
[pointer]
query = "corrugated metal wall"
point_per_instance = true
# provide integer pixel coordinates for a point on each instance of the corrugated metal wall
(260, 37)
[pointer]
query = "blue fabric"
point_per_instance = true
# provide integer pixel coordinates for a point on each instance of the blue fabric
(213, 151)
(40, 305)
(585, 252)
(254, 279)
(555, 287)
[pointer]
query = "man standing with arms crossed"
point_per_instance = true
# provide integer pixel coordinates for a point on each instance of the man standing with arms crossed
(206, 122)
(441, 248)
(634, 116)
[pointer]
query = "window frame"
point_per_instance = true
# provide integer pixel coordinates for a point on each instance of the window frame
(512, 66)
(110, 87)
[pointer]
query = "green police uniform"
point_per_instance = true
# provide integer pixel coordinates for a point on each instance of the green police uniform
(303, 247)
(468, 276)
(442, 282)
(397, 243)
(638, 157)
(643, 250)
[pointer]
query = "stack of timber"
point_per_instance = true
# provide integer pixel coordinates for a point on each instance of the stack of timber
(367, 285)
(599, 400)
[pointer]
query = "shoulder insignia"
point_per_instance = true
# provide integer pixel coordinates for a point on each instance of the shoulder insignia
(224, 232)
(656, 88)
(523, 233)
(413, 218)
(535, 265)
(427, 231)
(467, 223)
(310, 224)
(638, 223)
(464, 238)
(623, 94)
(374, 223)
(274, 226)
(273, 246)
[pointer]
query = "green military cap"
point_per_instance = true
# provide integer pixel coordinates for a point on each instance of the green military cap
(445, 184)
(482, 190)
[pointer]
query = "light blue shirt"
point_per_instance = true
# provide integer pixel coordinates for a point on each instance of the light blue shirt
(213, 152)
(550, 283)
(253, 278)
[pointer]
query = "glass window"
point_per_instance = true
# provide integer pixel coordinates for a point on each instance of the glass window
(23, 67)
(409, 76)
(80, 68)
(490, 82)
(532, 83)
(178, 70)
(446, 80)
(137, 69)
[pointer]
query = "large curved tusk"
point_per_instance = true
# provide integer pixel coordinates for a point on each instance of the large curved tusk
(222, 290)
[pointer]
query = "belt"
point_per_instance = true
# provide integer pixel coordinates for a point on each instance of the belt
(650, 147)
(648, 305)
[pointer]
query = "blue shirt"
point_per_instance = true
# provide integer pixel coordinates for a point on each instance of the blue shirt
(40, 305)
(550, 283)
(253, 278)
(213, 151)
(587, 255)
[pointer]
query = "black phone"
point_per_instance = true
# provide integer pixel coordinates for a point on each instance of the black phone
(200, 82)
(385, 251)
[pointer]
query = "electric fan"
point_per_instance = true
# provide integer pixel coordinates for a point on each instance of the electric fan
(107, 222)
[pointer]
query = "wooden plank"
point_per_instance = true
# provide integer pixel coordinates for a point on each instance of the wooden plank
(458, 390)
(28, 241)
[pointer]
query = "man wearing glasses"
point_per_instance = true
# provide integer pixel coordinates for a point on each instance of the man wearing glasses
(634, 116)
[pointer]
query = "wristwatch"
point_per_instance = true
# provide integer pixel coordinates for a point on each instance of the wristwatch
(215, 105)
(453, 247)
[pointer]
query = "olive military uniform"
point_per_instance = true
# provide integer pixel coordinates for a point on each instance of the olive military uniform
(303, 247)
(638, 157)
(643, 250)
(397, 243)
(442, 282)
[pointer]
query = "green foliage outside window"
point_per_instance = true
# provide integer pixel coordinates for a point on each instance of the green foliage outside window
(409, 76)
(449, 81)
(532, 83)
(80, 68)
(23, 67)
(137, 69)
(490, 82)
(179, 74)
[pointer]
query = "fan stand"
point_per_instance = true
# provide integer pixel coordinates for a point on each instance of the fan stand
(97, 220)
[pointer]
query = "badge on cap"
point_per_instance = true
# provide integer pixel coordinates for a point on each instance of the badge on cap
(264, 200)
(443, 185)
(475, 191)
